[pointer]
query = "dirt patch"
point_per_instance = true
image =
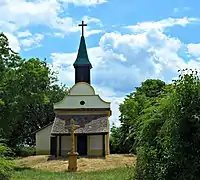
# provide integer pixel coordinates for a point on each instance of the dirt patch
(84, 164)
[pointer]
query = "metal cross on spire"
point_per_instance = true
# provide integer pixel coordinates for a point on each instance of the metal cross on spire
(82, 25)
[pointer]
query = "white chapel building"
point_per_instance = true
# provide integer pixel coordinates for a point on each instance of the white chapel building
(86, 108)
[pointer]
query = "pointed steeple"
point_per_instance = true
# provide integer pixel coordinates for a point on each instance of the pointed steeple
(82, 64)
(82, 57)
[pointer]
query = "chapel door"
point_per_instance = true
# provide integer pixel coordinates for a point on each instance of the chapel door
(82, 145)
(53, 150)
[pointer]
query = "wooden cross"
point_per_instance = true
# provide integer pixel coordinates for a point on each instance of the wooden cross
(82, 25)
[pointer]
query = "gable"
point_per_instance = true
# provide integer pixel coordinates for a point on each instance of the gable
(82, 95)
(82, 88)
(77, 102)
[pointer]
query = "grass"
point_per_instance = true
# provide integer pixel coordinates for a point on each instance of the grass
(125, 173)
(115, 167)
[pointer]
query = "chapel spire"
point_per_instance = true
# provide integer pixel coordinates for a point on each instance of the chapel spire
(82, 64)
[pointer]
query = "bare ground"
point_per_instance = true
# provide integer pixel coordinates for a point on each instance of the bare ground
(84, 164)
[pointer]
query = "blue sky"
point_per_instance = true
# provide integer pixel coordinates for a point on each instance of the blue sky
(128, 41)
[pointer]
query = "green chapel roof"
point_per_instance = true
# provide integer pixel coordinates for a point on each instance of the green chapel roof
(82, 57)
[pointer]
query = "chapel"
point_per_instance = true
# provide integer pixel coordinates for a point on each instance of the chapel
(87, 110)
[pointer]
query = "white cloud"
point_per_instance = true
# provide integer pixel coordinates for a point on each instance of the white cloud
(58, 34)
(92, 20)
(92, 32)
(85, 2)
(149, 54)
(63, 62)
(25, 40)
(23, 34)
(31, 41)
(21, 13)
(177, 10)
(194, 49)
(144, 26)
(109, 95)
(13, 42)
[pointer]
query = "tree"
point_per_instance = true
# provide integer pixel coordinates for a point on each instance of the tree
(28, 89)
(116, 141)
(180, 135)
(132, 108)
(9, 61)
(169, 137)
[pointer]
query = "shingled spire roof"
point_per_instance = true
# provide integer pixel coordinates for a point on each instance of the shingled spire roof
(82, 57)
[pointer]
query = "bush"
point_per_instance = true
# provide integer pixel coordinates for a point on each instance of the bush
(5, 168)
(5, 164)
(24, 151)
(6, 151)
(169, 134)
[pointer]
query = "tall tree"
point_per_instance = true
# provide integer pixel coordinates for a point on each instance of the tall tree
(28, 89)
(133, 106)
(169, 137)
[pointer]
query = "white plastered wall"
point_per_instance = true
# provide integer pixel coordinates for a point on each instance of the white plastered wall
(82, 92)
(71, 102)
(96, 142)
(95, 146)
(43, 140)
(65, 145)
(82, 89)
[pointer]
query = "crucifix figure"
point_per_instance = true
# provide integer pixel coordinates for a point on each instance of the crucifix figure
(73, 127)
(82, 25)
(72, 154)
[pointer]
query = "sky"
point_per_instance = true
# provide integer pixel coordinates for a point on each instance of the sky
(128, 41)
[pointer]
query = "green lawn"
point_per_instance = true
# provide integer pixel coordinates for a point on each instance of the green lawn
(114, 174)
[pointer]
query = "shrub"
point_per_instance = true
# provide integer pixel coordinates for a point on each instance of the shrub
(6, 151)
(168, 142)
(5, 168)
(5, 164)
(24, 151)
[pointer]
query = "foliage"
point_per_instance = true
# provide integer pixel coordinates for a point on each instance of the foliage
(28, 89)
(131, 109)
(5, 168)
(169, 133)
(115, 137)
(24, 151)
(162, 123)
(5, 164)
(5, 151)
(180, 135)
(148, 151)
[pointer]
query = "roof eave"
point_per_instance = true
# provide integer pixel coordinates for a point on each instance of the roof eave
(43, 127)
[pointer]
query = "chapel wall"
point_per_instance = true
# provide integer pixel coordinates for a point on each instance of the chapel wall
(66, 144)
(43, 141)
(82, 88)
(73, 102)
(95, 145)
(68, 112)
